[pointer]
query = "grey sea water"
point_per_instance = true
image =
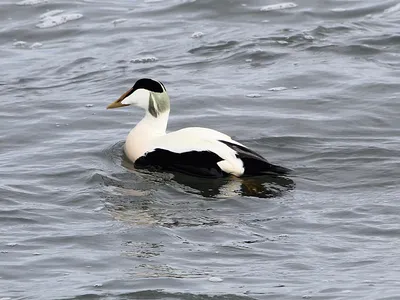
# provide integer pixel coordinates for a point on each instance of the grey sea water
(311, 85)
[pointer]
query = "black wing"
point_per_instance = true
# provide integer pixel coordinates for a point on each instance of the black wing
(254, 163)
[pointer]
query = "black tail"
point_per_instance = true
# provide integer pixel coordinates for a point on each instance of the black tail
(254, 163)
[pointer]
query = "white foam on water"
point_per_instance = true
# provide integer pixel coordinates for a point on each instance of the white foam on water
(56, 20)
(51, 13)
(36, 45)
(282, 42)
(215, 279)
(117, 21)
(278, 6)
(145, 59)
(31, 2)
(197, 35)
(277, 89)
(308, 36)
(20, 44)
(253, 95)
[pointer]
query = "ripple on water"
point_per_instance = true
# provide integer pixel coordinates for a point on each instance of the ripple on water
(212, 48)
(103, 227)
(31, 2)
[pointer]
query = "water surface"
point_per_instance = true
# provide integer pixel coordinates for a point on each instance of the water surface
(311, 85)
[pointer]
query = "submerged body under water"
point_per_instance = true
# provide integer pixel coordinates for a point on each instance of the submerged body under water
(310, 85)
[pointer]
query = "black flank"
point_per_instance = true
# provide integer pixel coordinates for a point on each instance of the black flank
(196, 163)
(254, 163)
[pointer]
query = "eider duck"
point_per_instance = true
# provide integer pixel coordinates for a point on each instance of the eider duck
(195, 151)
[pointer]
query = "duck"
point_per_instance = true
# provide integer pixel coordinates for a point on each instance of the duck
(195, 151)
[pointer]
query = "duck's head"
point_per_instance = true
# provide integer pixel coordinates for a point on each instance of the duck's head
(146, 93)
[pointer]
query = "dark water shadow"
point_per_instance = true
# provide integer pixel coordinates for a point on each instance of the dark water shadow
(267, 186)
(161, 295)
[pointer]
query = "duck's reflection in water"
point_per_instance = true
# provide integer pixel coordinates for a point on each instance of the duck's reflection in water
(267, 186)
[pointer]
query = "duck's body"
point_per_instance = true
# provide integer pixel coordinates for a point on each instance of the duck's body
(197, 151)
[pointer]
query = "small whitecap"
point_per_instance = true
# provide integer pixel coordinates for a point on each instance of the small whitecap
(257, 50)
(244, 4)
(282, 42)
(117, 21)
(215, 279)
(20, 44)
(295, 87)
(36, 45)
(253, 95)
(100, 208)
(12, 244)
(197, 35)
(51, 13)
(98, 285)
(36, 253)
(278, 6)
(57, 20)
(249, 60)
(89, 105)
(308, 37)
(277, 89)
(145, 59)
(31, 2)
(265, 21)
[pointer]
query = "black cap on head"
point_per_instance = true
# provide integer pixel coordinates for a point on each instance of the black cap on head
(148, 84)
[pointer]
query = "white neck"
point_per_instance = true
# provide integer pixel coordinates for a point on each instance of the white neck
(139, 139)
